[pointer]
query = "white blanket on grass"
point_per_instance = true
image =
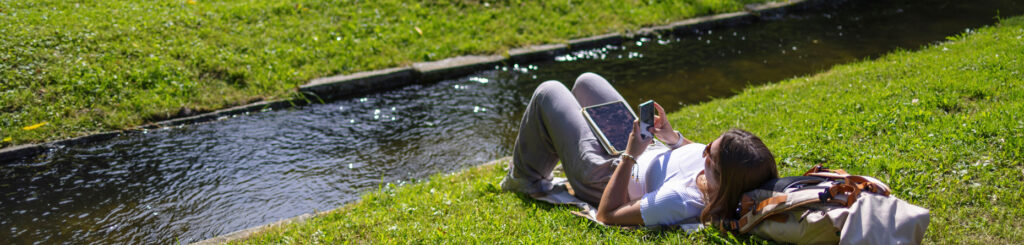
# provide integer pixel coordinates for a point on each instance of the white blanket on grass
(561, 196)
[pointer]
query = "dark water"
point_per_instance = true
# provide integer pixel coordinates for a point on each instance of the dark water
(194, 182)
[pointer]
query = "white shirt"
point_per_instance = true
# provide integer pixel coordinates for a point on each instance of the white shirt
(664, 181)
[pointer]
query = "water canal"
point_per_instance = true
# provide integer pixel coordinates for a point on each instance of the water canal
(194, 182)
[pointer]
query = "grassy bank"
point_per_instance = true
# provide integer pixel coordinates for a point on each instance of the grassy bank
(89, 66)
(944, 127)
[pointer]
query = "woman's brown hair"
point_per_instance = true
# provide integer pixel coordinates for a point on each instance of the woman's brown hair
(742, 164)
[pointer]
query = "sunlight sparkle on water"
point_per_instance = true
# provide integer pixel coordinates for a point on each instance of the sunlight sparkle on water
(479, 80)
(477, 109)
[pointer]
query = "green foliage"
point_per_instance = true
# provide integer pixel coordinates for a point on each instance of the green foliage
(942, 126)
(88, 66)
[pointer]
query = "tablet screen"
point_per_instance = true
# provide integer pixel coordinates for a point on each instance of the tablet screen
(615, 121)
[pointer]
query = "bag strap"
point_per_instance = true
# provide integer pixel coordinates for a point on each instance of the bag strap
(859, 182)
(781, 184)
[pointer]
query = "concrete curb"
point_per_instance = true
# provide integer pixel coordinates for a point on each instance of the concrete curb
(21, 151)
(598, 41)
(695, 24)
(773, 9)
(334, 87)
(455, 67)
(537, 52)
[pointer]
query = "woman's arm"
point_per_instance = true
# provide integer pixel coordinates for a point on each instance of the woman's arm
(615, 207)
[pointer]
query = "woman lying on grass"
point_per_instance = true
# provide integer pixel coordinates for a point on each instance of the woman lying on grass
(674, 182)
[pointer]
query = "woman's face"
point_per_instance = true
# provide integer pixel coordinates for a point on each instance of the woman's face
(711, 172)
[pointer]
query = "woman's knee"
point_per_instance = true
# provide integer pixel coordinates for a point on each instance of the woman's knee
(589, 81)
(550, 88)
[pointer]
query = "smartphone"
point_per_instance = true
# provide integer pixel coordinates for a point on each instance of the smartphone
(646, 118)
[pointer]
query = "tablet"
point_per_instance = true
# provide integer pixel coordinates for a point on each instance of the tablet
(611, 122)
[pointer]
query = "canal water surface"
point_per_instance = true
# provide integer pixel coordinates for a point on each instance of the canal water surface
(189, 183)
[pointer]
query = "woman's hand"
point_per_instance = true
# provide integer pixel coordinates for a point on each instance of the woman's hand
(637, 144)
(662, 128)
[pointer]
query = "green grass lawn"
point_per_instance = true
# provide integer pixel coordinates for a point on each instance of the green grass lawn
(90, 66)
(944, 127)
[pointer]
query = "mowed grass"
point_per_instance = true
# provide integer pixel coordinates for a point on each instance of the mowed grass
(90, 66)
(944, 127)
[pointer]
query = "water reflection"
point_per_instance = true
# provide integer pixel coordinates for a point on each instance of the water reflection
(199, 181)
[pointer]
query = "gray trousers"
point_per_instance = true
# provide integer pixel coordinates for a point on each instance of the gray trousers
(553, 129)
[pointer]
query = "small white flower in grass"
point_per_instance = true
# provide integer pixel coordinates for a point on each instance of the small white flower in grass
(393, 227)
(914, 101)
